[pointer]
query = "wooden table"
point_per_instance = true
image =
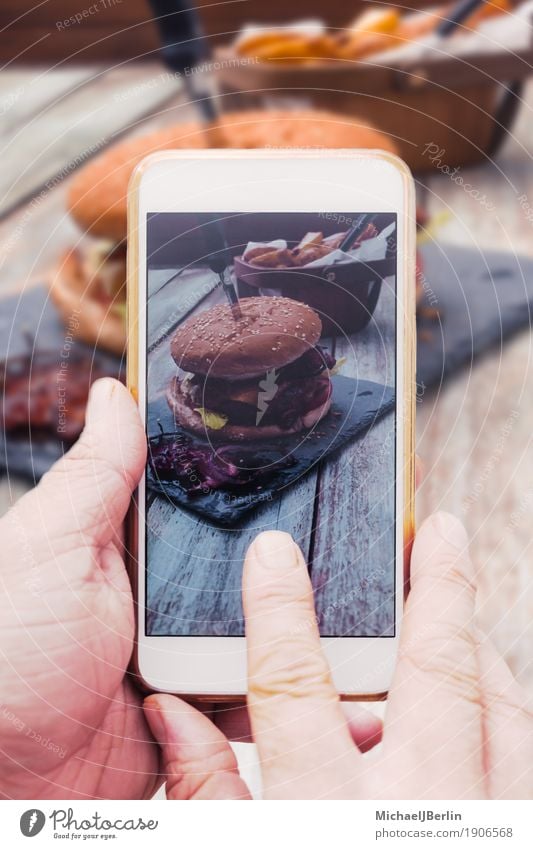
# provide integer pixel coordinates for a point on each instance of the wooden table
(477, 464)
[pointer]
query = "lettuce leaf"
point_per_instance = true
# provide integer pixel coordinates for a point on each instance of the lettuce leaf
(214, 421)
(337, 367)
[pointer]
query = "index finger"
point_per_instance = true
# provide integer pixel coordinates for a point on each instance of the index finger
(301, 733)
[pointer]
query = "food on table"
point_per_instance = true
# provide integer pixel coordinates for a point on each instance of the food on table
(41, 392)
(385, 19)
(90, 283)
(271, 258)
(488, 10)
(373, 31)
(92, 277)
(258, 376)
(97, 197)
(311, 247)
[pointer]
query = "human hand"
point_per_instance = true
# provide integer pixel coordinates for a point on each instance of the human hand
(457, 725)
(71, 723)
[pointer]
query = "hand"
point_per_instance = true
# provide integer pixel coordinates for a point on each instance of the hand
(71, 723)
(456, 724)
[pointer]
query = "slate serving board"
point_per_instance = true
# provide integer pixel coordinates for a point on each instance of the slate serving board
(30, 326)
(483, 298)
(355, 405)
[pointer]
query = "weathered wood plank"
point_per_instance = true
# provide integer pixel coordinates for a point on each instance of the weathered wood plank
(194, 584)
(353, 551)
(43, 222)
(26, 92)
(59, 137)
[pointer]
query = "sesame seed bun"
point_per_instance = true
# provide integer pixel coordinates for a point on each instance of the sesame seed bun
(72, 289)
(97, 196)
(270, 333)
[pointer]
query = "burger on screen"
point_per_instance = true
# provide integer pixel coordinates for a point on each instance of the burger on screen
(252, 373)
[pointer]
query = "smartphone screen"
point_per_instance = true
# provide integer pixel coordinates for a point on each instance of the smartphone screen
(270, 404)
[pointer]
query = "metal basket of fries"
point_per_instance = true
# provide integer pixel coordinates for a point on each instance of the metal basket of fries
(430, 90)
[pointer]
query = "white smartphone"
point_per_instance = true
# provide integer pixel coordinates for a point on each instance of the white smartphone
(271, 349)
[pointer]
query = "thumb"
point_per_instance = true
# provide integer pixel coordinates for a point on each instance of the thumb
(433, 720)
(198, 761)
(88, 491)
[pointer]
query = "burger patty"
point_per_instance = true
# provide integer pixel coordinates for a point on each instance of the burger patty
(279, 398)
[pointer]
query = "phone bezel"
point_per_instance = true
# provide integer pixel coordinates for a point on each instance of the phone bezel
(215, 667)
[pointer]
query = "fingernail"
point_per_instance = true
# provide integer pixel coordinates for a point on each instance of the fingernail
(451, 530)
(100, 395)
(161, 724)
(275, 550)
(154, 717)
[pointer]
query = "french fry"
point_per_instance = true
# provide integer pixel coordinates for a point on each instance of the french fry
(365, 43)
(302, 256)
(248, 44)
(373, 31)
(257, 251)
(299, 48)
(267, 259)
(322, 46)
(273, 259)
(421, 23)
(370, 32)
(486, 11)
(376, 20)
(289, 44)
(409, 28)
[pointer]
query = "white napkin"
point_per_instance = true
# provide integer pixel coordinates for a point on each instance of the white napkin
(369, 251)
(311, 27)
(277, 245)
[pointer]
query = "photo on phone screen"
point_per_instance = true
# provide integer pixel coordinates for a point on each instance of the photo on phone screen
(270, 404)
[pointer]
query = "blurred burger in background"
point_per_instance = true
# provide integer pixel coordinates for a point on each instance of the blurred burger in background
(91, 278)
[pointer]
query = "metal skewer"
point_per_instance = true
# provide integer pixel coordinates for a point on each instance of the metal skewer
(229, 290)
(361, 223)
(184, 48)
(458, 14)
(219, 260)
